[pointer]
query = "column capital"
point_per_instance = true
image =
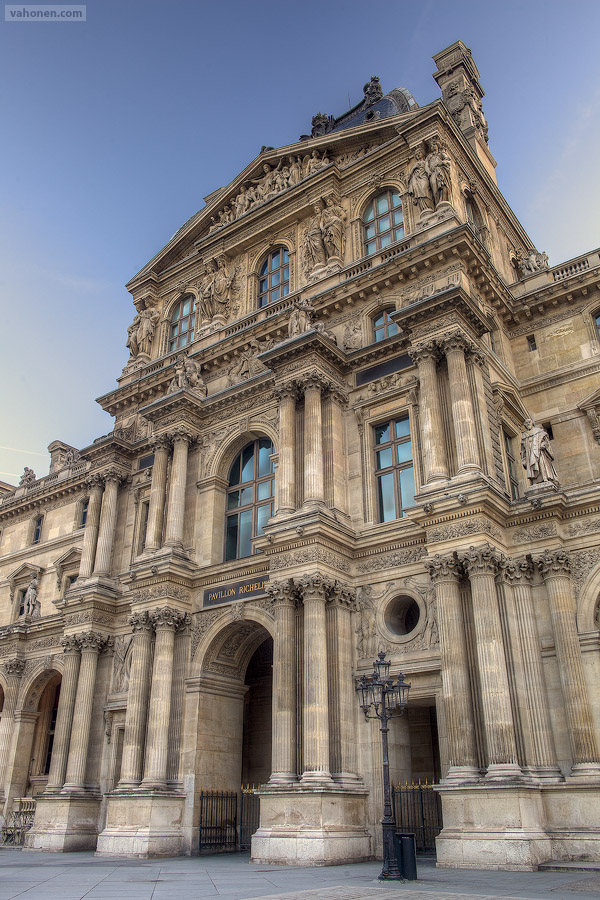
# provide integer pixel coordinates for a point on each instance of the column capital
(165, 617)
(315, 586)
(516, 571)
(282, 593)
(478, 357)
(315, 381)
(139, 621)
(343, 595)
(289, 390)
(424, 350)
(456, 340)
(93, 641)
(182, 434)
(95, 480)
(443, 568)
(481, 560)
(113, 474)
(70, 643)
(14, 667)
(554, 564)
(159, 442)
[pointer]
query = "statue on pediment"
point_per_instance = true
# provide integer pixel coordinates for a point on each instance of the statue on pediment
(419, 186)
(373, 91)
(28, 477)
(141, 330)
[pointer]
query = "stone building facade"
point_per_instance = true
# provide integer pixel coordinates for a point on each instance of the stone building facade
(324, 446)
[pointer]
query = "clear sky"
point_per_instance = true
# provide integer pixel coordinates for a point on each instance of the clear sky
(116, 128)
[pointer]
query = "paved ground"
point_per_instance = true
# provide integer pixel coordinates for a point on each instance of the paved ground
(74, 876)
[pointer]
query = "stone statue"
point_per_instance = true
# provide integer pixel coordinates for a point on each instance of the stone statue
(431, 633)
(438, 167)
(530, 261)
(352, 339)
(141, 330)
(537, 456)
(247, 365)
(419, 186)
(27, 478)
(187, 377)
(215, 291)
(333, 221)
(314, 248)
(31, 604)
(300, 317)
(373, 90)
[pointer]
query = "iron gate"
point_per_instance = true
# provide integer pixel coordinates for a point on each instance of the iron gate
(418, 808)
(228, 819)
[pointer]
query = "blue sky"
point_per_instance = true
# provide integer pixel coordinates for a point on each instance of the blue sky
(116, 128)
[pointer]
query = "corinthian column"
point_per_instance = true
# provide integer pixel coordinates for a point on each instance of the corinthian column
(445, 573)
(166, 621)
(108, 522)
(314, 590)
(91, 644)
(314, 494)
(64, 715)
(137, 701)
(481, 566)
(434, 452)
(284, 683)
(343, 695)
(555, 568)
(176, 511)
(479, 363)
(462, 407)
(540, 755)
(90, 534)
(156, 507)
(287, 447)
(13, 670)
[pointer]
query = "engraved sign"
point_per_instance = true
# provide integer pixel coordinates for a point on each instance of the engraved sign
(239, 590)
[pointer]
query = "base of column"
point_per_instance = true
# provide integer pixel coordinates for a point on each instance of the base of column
(283, 778)
(142, 824)
(64, 823)
(586, 770)
(546, 774)
(462, 775)
(348, 780)
(317, 779)
(504, 772)
(311, 827)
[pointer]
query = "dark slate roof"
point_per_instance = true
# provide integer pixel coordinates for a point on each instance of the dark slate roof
(373, 106)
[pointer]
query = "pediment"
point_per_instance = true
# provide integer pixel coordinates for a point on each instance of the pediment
(591, 401)
(21, 575)
(508, 400)
(70, 559)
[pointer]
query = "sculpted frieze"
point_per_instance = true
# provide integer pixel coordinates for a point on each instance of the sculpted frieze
(462, 529)
(588, 526)
(307, 555)
(582, 563)
(534, 533)
(390, 560)
(158, 591)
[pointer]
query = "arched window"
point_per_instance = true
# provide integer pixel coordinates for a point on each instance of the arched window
(249, 497)
(383, 326)
(383, 222)
(597, 321)
(475, 219)
(274, 277)
(181, 328)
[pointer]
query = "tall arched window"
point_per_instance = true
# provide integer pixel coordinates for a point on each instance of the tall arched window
(181, 328)
(383, 326)
(250, 497)
(383, 222)
(274, 277)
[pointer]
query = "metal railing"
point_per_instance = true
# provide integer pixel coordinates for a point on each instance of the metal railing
(418, 809)
(18, 822)
(228, 819)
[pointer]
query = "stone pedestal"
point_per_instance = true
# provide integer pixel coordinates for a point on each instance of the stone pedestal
(64, 823)
(311, 827)
(142, 824)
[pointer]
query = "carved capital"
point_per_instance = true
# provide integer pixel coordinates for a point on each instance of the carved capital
(478, 357)
(315, 586)
(139, 621)
(314, 381)
(182, 434)
(93, 641)
(554, 564)
(167, 617)
(113, 474)
(70, 644)
(343, 595)
(481, 561)
(455, 341)
(14, 667)
(289, 390)
(95, 482)
(160, 442)
(281, 593)
(516, 571)
(423, 351)
(443, 568)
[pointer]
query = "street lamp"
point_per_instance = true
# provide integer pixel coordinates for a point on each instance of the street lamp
(384, 698)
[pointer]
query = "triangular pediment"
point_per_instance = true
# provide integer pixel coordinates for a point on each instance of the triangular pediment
(591, 401)
(70, 559)
(507, 399)
(21, 575)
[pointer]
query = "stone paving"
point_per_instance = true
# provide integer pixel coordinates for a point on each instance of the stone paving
(75, 876)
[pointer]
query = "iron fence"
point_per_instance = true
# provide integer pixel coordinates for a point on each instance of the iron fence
(228, 819)
(418, 809)
(17, 823)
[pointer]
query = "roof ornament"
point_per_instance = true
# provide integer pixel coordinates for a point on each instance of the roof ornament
(372, 91)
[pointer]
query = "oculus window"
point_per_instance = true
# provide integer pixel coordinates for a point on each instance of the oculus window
(250, 497)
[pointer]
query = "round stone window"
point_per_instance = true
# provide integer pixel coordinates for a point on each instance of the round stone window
(402, 615)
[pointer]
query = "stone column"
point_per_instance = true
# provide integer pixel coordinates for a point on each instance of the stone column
(314, 589)
(176, 511)
(337, 401)
(166, 621)
(283, 763)
(90, 534)
(137, 701)
(156, 507)
(555, 568)
(287, 447)
(314, 494)
(479, 362)
(462, 407)
(108, 523)
(502, 760)
(540, 754)
(445, 573)
(432, 428)
(343, 694)
(91, 644)
(64, 715)
(13, 670)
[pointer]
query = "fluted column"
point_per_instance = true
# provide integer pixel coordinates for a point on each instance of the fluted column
(90, 534)
(314, 589)
(479, 363)
(336, 470)
(137, 701)
(445, 573)
(462, 406)
(13, 670)
(502, 760)
(342, 692)
(166, 621)
(540, 754)
(156, 507)
(64, 715)
(314, 494)
(430, 412)
(555, 568)
(108, 523)
(176, 511)
(91, 644)
(283, 756)
(287, 447)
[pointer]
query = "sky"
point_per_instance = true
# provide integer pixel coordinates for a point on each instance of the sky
(115, 128)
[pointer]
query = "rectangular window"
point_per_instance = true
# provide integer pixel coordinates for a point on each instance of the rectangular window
(394, 470)
(37, 530)
(146, 461)
(143, 525)
(531, 344)
(511, 466)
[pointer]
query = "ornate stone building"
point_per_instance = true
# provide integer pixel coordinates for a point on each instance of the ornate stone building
(317, 454)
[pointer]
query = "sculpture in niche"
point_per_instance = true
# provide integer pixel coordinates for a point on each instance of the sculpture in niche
(216, 291)
(28, 477)
(31, 604)
(431, 634)
(438, 169)
(537, 456)
(352, 339)
(247, 365)
(324, 238)
(314, 248)
(366, 629)
(187, 376)
(372, 91)
(528, 262)
(141, 330)
(419, 186)
(333, 220)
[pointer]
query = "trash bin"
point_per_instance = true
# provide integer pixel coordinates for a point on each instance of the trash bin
(406, 854)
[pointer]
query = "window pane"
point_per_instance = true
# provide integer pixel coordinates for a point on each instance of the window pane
(405, 452)
(175, 313)
(403, 427)
(384, 458)
(286, 289)
(173, 331)
(385, 240)
(379, 334)
(233, 499)
(369, 214)
(396, 199)
(265, 448)
(371, 248)
(264, 268)
(382, 204)
(185, 308)
(248, 463)
(384, 224)
(263, 285)
(275, 278)
(392, 329)
(265, 490)
(370, 231)
(275, 294)
(378, 320)
(246, 496)
(234, 474)
(263, 514)
(399, 233)
(385, 490)
(382, 433)
(407, 487)
(286, 274)
(275, 260)
(182, 341)
(184, 325)
(398, 217)
(245, 532)
(285, 256)
(231, 539)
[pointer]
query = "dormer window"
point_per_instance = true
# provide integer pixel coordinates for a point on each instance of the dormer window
(181, 328)
(383, 326)
(274, 277)
(383, 222)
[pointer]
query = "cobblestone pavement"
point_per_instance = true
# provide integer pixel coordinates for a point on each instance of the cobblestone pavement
(80, 876)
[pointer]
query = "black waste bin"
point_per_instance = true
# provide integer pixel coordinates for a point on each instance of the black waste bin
(406, 854)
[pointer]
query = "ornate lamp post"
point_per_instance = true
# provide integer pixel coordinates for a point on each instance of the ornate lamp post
(384, 698)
